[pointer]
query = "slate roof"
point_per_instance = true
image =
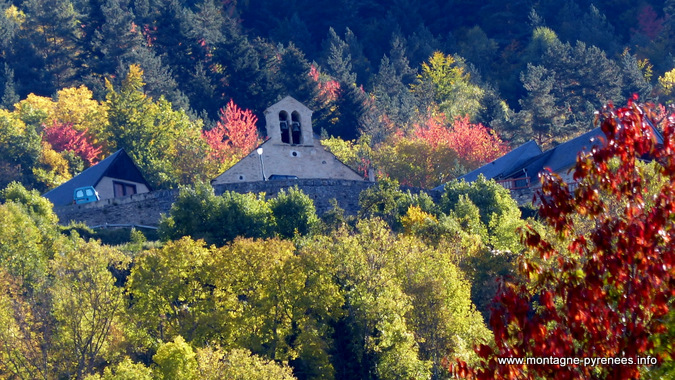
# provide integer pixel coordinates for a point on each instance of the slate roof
(506, 163)
(503, 165)
(118, 165)
(564, 156)
(528, 160)
(560, 157)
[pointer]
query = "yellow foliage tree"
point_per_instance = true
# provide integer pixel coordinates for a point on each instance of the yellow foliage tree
(77, 107)
(52, 169)
(667, 81)
(35, 109)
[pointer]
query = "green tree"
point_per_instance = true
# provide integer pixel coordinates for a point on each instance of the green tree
(445, 80)
(352, 107)
(374, 339)
(541, 116)
(239, 364)
(381, 201)
(247, 215)
(176, 360)
(124, 370)
(499, 213)
(575, 78)
(191, 214)
(391, 327)
(20, 151)
(153, 134)
(393, 98)
(27, 232)
(9, 95)
(113, 37)
(86, 305)
(294, 212)
(51, 33)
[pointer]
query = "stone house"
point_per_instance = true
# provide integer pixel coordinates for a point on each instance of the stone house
(115, 176)
(290, 152)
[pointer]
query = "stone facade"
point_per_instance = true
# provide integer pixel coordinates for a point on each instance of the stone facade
(291, 150)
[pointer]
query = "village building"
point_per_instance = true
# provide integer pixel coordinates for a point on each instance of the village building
(290, 152)
(519, 169)
(115, 176)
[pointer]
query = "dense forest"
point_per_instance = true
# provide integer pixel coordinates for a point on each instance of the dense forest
(238, 286)
(383, 78)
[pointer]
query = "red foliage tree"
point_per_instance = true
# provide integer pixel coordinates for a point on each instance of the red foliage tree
(603, 288)
(62, 136)
(474, 143)
(649, 22)
(234, 135)
(329, 89)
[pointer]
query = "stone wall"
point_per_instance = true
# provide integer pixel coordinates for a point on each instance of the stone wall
(321, 191)
(139, 209)
(145, 209)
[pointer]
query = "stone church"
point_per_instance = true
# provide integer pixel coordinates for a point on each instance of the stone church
(290, 152)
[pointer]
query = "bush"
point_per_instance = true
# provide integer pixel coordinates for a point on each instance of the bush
(294, 212)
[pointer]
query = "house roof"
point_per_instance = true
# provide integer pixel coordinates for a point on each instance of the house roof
(560, 157)
(564, 156)
(506, 163)
(529, 160)
(118, 165)
(503, 165)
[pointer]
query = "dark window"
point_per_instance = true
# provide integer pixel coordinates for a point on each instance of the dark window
(296, 131)
(283, 124)
(121, 189)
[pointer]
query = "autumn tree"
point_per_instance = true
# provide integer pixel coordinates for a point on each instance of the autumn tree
(600, 284)
(417, 162)
(154, 135)
(63, 137)
(446, 84)
(436, 152)
(86, 306)
(234, 136)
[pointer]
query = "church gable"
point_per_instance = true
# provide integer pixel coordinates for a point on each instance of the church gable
(289, 122)
(289, 152)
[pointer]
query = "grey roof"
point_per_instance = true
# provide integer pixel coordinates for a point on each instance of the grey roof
(118, 165)
(560, 157)
(504, 164)
(564, 156)
(528, 159)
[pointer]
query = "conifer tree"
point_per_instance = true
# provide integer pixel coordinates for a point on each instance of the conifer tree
(9, 95)
(52, 36)
(116, 39)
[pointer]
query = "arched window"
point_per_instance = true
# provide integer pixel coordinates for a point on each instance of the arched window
(283, 124)
(296, 130)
